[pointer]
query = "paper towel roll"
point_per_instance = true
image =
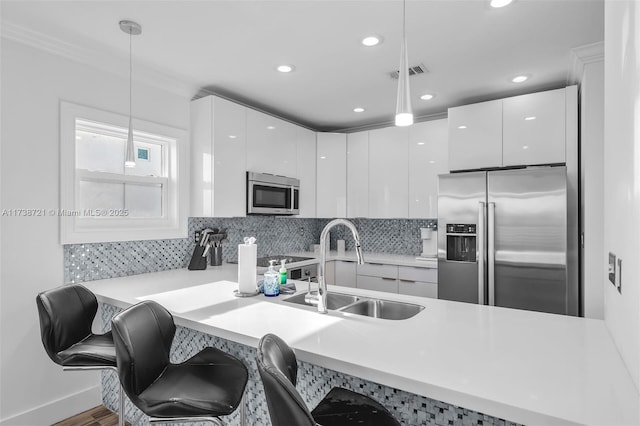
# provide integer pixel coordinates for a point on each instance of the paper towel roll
(247, 270)
(426, 233)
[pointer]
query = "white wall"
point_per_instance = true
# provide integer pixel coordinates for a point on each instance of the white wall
(592, 172)
(622, 176)
(33, 389)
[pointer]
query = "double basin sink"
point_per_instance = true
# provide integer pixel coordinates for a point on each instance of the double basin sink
(376, 308)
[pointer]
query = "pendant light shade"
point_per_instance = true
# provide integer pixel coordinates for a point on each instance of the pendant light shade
(131, 28)
(130, 156)
(404, 113)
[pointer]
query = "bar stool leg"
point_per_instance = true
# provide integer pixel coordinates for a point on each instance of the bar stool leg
(121, 413)
(243, 409)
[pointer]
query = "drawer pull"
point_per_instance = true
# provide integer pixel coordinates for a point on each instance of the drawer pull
(388, 279)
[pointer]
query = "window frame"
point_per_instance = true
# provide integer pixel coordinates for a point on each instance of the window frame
(77, 228)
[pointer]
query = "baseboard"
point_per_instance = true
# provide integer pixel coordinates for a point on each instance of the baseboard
(57, 410)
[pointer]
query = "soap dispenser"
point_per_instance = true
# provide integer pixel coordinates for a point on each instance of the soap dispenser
(271, 281)
(283, 272)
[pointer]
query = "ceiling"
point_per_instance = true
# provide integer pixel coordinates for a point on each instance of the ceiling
(233, 47)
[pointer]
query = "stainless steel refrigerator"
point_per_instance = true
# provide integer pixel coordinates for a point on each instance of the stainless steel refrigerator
(503, 239)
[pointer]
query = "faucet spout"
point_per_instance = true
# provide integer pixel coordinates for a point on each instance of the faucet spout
(322, 284)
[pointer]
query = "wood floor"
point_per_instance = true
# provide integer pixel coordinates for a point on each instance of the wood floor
(97, 416)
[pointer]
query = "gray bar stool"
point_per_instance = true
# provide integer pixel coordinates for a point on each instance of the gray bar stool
(278, 370)
(208, 385)
(66, 315)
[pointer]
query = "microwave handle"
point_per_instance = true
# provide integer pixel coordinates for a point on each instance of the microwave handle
(293, 193)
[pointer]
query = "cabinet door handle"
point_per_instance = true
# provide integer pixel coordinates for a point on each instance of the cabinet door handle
(388, 279)
(408, 281)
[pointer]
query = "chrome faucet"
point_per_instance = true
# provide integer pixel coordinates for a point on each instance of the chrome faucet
(320, 299)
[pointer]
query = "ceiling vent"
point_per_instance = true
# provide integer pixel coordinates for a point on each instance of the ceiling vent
(414, 70)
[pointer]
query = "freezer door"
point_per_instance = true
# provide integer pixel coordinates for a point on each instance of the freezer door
(460, 197)
(527, 239)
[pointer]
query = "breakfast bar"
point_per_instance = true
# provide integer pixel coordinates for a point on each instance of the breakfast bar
(451, 363)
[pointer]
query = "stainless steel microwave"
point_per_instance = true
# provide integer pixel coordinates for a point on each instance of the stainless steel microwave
(272, 195)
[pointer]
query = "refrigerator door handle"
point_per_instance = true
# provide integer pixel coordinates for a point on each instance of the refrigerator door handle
(491, 251)
(481, 257)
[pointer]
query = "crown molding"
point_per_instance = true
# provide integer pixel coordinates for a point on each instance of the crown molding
(581, 56)
(108, 61)
(391, 123)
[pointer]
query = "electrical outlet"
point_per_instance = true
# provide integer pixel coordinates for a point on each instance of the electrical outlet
(619, 275)
(612, 268)
(197, 236)
(301, 231)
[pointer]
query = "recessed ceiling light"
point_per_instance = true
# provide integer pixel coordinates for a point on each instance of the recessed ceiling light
(519, 78)
(530, 118)
(500, 3)
(420, 143)
(372, 40)
(427, 97)
(322, 157)
(462, 127)
(525, 147)
(432, 162)
(285, 68)
(271, 127)
(358, 109)
(232, 136)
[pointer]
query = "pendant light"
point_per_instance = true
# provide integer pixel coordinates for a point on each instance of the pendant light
(131, 28)
(404, 113)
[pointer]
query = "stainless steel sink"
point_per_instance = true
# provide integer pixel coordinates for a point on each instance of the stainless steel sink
(384, 309)
(334, 300)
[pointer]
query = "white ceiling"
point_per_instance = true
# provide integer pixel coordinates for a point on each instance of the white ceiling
(232, 48)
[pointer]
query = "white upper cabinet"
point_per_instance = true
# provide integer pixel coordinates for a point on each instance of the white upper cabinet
(534, 129)
(522, 130)
(475, 136)
(388, 173)
(428, 157)
(331, 175)
(306, 160)
(358, 174)
(218, 149)
(271, 145)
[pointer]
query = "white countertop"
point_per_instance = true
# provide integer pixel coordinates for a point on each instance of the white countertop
(522, 366)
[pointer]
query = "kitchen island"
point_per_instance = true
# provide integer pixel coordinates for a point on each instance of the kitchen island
(452, 362)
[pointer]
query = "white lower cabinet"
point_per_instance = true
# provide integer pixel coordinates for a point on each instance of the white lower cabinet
(345, 273)
(376, 276)
(330, 272)
(409, 280)
(421, 282)
(389, 285)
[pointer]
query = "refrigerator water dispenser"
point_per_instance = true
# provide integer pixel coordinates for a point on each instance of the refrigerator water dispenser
(461, 242)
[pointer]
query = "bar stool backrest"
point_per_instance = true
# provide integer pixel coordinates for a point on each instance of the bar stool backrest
(142, 335)
(278, 370)
(66, 314)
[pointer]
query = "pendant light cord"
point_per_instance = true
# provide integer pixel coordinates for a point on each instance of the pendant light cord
(404, 20)
(130, 72)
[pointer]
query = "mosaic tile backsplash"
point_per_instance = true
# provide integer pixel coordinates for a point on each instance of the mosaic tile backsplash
(314, 383)
(275, 235)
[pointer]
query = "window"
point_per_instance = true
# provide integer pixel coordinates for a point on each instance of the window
(101, 199)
